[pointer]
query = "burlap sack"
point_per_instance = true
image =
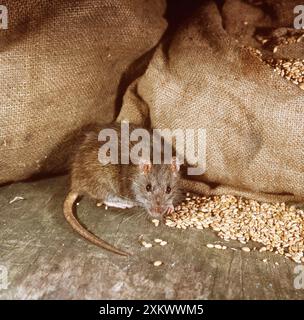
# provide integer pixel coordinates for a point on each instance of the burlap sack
(62, 65)
(204, 78)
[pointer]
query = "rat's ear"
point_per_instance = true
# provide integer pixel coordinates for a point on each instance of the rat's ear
(145, 166)
(175, 165)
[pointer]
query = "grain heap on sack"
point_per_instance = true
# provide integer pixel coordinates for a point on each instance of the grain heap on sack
(291, 69)
(275, 227)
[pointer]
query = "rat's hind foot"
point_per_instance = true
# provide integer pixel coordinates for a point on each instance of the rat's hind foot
(117, 202)
(119, 205)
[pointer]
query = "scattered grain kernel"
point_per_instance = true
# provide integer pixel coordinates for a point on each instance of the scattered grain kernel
(157, 263)
(246, 249)
(156, 222)
(158, 240)
(147, 244)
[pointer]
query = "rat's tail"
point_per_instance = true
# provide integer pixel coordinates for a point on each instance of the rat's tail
(68, 213)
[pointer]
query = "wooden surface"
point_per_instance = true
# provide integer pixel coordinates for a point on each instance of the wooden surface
(47, 260)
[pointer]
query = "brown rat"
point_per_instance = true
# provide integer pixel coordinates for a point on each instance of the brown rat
(151, 186)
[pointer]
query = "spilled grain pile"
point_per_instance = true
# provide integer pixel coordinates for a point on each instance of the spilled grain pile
(276, 227)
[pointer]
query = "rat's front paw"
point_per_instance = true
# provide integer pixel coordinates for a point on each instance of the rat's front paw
(170, 209)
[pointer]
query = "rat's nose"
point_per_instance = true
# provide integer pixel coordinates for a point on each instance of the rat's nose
(158, 201)
(158, 209)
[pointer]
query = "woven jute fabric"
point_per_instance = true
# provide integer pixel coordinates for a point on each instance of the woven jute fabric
(62, 66)
(64, 63)
(204, 77)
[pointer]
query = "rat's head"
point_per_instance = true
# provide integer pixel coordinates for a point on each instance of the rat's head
(155, 186)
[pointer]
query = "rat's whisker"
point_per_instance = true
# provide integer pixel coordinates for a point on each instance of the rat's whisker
(137, 214)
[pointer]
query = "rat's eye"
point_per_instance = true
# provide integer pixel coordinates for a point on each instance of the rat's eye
(168, 190)
(148, 187)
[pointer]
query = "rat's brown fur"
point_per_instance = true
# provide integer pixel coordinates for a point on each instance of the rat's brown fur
(124, 181)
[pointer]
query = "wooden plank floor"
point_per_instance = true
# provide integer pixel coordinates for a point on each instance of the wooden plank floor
(45, 259)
